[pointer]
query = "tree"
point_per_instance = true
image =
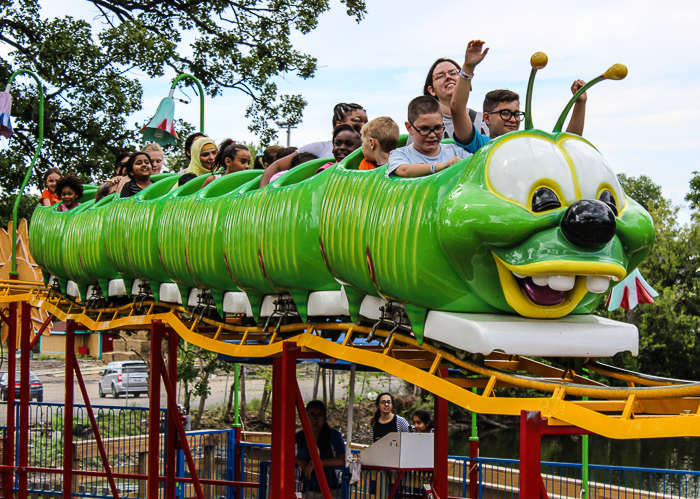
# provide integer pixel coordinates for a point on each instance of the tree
(668, 329)
(88, 69)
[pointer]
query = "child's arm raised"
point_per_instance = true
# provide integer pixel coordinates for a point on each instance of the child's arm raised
(578, 116)
(464, 128)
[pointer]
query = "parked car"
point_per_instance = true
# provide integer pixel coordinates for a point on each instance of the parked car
(36, 387)
(128, 377)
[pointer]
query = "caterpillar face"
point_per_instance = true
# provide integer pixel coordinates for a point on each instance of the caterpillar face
(539, 225)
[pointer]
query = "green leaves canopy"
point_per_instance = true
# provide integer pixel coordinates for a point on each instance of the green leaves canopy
(90, 69)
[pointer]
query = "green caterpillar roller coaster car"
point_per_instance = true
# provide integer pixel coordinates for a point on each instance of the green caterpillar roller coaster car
(527, 233)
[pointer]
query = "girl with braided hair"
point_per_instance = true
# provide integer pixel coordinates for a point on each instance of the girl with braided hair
(343, 114)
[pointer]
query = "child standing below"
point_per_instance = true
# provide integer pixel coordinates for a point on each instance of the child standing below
(379, 137)
(426, 155)
(49, 196)
(70, 190)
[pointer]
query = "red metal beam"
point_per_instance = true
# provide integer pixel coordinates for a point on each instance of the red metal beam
(95, 428)
(10, 431)
(394, 488)
(157, 328)
(68, 413)
(171, 431)
(311, 444)
(43, 327)
(282, 483)
(24, 396)
(10, 321)
(473, 468)
(172, 406)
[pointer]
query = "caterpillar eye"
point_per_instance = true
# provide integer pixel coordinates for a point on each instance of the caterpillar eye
(545, 199)
(609, 199)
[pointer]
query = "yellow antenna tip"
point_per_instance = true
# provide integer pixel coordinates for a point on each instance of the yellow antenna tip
(538, 60)
(616, 72)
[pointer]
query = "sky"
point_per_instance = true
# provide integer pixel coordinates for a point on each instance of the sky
(646, 124)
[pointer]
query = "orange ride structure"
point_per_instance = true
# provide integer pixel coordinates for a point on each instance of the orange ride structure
(452, 282)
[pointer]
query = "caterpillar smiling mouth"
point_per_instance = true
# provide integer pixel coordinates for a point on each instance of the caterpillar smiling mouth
(549, 290)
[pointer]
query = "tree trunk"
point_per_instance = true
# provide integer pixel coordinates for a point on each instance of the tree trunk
(264, 401)
(232, 391)
(317, 375)
(332, 387)
(325, 391)
(200, 411)
(186, 402)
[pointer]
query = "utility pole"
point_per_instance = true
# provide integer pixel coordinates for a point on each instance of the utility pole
(288, 126)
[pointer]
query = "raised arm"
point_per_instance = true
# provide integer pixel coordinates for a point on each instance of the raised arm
(281, 165)
(578, 115)
(464, 128)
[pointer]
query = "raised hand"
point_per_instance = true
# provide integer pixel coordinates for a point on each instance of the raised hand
(575, 87)
(475, 54)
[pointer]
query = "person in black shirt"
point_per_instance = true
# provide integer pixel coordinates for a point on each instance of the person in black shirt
(384, 421)
(138, 168)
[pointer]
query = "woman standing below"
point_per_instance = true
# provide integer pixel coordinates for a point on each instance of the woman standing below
(155, 152)
(384, 421)
(422, 421)
(329, 441)
(138, 168)
(49, 196)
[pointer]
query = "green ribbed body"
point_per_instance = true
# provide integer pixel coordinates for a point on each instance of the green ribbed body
(433, 242)
(209, 269)
(131, 234)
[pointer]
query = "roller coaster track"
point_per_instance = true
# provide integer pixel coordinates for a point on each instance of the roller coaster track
(648, 407)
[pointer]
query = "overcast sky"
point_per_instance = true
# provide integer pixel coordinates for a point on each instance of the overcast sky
(646, 124)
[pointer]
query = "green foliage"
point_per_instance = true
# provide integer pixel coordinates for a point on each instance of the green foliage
(88, 70)
(668, 329)
(25, 210)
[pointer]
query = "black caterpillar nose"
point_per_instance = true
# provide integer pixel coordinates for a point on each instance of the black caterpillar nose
(589, 223)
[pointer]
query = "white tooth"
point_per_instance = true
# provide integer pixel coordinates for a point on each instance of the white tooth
(540, 280)
(597, 283)
(561, 282)
(519, 276)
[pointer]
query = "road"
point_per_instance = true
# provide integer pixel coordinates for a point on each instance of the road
(54, 389)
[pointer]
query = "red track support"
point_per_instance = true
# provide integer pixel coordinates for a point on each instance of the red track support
(173, 418)
(283, 424)
(532, 427)
(440, 464)
(95, 428)
(43, 327)
(473, 469)
(68, 413)
(172, 407)
(313, 449)
(10, 431)
(24, 396)
(157, 328)
(237, 462)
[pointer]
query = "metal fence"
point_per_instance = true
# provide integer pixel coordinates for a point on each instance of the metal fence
(498, 478)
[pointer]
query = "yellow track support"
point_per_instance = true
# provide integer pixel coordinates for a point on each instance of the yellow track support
(651, 408)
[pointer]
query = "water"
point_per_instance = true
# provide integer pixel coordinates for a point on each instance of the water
(667, 453)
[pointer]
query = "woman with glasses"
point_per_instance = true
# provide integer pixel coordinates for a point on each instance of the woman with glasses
(330, 445)
(440, 84)
(384, 421)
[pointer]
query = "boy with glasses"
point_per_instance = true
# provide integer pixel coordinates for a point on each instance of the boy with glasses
(501, 107)
(425, 155)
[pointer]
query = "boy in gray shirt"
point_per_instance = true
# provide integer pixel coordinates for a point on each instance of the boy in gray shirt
(426, 155)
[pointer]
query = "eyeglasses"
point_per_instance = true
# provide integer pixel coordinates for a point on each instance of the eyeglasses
(314, 416)
(439, 76)
(385, 402)
(506, 114)
(424, 132)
